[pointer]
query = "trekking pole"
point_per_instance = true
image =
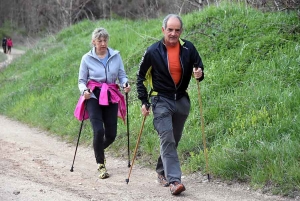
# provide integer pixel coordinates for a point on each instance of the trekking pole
(127, 121)
(202, 126)
(79, 135)
(137, 144)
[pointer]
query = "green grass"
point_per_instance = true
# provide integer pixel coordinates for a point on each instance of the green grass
(250, 94)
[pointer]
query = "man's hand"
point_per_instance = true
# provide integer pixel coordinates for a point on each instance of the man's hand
(145, 110)
(197, 73)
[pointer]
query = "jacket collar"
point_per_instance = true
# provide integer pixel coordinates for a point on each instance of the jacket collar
(181, 42)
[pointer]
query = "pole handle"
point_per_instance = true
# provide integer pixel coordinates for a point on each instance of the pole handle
(147, 106)
(126, 85)
(196, 67)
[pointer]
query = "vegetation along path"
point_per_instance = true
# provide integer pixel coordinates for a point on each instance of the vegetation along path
(36, 166)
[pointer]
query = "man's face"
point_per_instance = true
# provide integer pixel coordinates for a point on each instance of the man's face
(172, 31)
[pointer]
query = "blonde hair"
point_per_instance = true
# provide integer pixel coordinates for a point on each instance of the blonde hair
(100, 32)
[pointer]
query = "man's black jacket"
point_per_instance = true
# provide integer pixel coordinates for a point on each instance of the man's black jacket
(154, 71)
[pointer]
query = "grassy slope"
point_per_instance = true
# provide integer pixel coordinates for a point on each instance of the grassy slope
(250, 94)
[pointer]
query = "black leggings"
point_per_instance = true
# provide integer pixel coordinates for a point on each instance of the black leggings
(104, 123)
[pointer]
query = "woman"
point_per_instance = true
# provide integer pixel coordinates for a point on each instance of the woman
(9, 45)
(98, 72)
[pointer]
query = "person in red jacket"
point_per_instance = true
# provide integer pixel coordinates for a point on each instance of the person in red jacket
(9, 44)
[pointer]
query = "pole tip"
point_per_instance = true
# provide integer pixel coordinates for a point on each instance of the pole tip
(127, 180)
(71, 170)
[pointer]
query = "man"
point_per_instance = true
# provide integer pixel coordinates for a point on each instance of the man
(4, 40)
(168, 66)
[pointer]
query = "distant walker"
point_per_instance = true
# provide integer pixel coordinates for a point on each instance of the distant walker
(4, 41)
(9, 44)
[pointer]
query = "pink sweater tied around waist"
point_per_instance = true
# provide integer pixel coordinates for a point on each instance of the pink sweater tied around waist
(115, 97)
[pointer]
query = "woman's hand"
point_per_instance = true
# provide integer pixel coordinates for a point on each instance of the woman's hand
(126, 87)
(87, 94)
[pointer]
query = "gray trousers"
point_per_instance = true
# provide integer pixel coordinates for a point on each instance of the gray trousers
(169, 118)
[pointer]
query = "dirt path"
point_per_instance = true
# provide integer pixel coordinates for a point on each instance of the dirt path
(14, 53)
(35, 166)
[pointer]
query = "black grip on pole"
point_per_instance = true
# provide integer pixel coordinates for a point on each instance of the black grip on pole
(88, 90)
(147, 106)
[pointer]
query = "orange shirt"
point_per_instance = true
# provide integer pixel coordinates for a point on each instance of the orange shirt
(174, 63)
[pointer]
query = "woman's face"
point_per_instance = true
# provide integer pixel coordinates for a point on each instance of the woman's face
(101, 45)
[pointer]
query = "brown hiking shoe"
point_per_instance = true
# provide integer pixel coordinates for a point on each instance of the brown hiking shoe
(162, 180)
(176, 188)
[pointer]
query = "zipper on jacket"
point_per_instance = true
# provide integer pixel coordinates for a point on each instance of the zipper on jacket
(175, 95)
(170, 72)
(110, 56)
(181, 65)
(104, 68)
(107, 64)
